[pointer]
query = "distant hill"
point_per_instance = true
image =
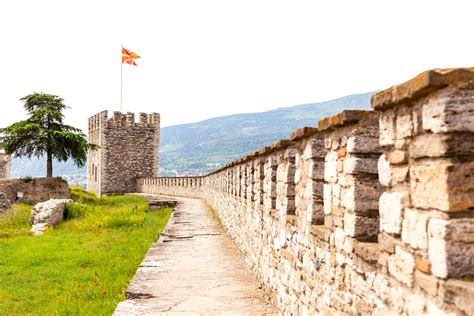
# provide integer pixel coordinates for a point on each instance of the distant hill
(198, 148)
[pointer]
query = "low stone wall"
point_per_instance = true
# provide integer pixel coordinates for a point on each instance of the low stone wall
(35, 190)
(182, 186)
(372, 211)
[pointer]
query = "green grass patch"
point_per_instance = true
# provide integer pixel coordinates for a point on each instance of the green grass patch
(82, 266)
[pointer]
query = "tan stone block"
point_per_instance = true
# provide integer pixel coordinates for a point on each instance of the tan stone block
(442, 145)
(397, 157)
(442, 184)
(341, 153)
(402, 265)
(427, 282)
(330, 167)
(356, 226)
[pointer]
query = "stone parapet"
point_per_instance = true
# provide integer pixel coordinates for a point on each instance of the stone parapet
(368, 213)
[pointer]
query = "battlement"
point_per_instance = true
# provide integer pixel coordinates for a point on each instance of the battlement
(123, 120)
(128, 150)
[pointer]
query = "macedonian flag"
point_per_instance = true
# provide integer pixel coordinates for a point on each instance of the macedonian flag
(129, 57)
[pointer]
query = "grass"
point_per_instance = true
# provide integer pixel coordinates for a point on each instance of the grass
(82, 266)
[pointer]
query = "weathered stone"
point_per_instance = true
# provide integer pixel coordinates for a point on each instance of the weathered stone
(451, 247)
(330, 167)
(35, 190)
(384, 170)
(387, 128)
(451, 110)
(363, 144)
(427, 282)
(48, 213)
(461, 294)
(444, 185)
(391, 204)
(415, 229)
(401, 266)
(442, 145)
(422, 85)
(404, 126)
(360, 165)
(369, 251)
(356, 226)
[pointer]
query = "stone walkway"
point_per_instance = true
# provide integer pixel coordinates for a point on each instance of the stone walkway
(194, 268)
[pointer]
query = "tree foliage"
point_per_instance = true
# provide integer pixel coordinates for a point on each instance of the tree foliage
(45, 134)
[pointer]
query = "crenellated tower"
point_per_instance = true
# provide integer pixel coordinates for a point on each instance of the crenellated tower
(128, 150)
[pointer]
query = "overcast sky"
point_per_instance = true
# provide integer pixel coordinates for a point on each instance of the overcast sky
(202, 59)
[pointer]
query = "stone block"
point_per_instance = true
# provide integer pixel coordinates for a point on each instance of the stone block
(48, 213)
(415, 305)
(415, 229)
(316, 169)
(368, 251)
(327, 199)
(442, 184)
(363, 144)
(404, 125)
(355, 226)
(451, 247)
(384, 170)
(387, 128)
(461, 294)
(4, 202)
(397, 157)
(330, 167)
(402, 266)
(390, 208)
(451, 110)
(427, 282)
(354, 165)
(360, 193)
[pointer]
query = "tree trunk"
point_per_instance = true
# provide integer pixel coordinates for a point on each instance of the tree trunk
(49, 165)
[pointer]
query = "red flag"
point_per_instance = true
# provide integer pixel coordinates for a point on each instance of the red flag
(129, 57)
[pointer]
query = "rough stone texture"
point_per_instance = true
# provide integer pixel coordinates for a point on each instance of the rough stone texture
(45, 214)
(4, 202)
(35, 190)
(5, 166)
(194, 268)
(128, 150)
(305, 211)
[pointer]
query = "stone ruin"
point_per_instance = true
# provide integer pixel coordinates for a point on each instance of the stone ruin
(46, 214)
(369, 212)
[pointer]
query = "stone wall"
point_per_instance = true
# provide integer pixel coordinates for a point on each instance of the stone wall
(5, 166)
(128, 150)
(372, 211)
(35, 190)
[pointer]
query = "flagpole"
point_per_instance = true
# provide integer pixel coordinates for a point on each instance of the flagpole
(121, 78)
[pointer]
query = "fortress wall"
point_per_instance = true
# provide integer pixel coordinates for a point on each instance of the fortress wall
(372, 211)
(5, 166)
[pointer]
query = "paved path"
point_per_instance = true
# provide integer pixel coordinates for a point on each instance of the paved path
(195, 268)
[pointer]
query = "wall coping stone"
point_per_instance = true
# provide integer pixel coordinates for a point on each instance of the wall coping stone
(343, 118)
(421, 85)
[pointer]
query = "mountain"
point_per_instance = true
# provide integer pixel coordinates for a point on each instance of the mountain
(198, 148)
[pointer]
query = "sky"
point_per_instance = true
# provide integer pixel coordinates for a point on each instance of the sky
(202, 59)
